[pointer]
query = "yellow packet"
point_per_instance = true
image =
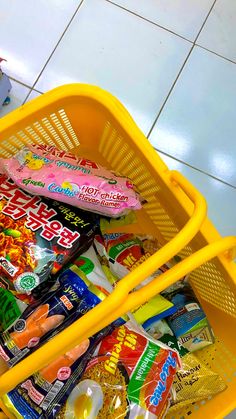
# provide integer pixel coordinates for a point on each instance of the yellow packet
(194, 382)
(153, 307)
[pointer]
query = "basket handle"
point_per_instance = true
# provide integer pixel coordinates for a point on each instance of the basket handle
(114, 306)
(43, 356)
(185, 235)
(161, 282)
(174, 246)
(193, 194)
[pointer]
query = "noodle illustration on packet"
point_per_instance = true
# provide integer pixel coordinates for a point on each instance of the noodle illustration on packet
(37, 237)
(129, 376)
(42, 395)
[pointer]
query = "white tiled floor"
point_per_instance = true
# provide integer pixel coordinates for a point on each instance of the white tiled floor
(136, 50)
(185, 18)
(121, 53)
(220, 212)
(219, 33)
(197, 123)
(29, 31)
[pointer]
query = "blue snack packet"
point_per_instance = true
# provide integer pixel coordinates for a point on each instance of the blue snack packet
(189, 313)
(40, 322)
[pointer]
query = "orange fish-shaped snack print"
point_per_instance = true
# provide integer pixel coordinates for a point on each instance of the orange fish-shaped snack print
(37, 325)
(50, 372)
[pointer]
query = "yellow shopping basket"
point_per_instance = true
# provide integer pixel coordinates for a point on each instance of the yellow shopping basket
(91, 122)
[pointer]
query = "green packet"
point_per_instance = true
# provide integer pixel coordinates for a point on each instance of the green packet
(161, 331)
(11, 309)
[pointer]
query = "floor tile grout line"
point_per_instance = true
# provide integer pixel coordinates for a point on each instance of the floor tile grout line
(175, 33)
(181, 69)
(19, 82)
(27, 86)
(172, 32)
(38, 91)
(170, 91)
(28, 95)
(204, 22)
(195, 168)
(149, 21)
(32, 88)
(54, 49)
(215, 53)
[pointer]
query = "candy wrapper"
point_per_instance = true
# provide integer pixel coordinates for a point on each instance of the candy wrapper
(37, 324)
(123, 252)
(158, 328)
(44, 170)
(128, 376)
(37, 237)
(199, 338)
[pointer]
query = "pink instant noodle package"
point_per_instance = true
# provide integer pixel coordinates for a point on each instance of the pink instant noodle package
(63, 176)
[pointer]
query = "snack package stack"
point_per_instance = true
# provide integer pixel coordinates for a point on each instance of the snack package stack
(194, 381)
(130, 375)
(60, 256)
(43, 394)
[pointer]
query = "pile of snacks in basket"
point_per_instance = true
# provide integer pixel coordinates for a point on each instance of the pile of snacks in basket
(58, 260)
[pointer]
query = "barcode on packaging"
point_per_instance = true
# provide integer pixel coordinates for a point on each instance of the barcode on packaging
(51, 395)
